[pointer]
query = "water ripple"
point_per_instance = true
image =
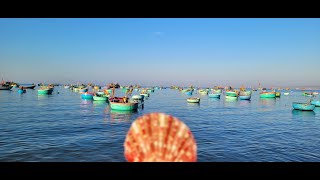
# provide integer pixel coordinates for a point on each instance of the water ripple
(63, 127)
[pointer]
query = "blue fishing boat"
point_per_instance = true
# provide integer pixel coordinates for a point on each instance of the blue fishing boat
(21, 91)
(316, 103)
(214, 95)
(83, 90)
(303, 106)
(245, 97)
(87, 96)
(188, 93)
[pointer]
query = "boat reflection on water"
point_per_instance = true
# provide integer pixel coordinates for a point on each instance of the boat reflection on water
(244, 102)
(267, 101)
(193, 105)
(86, 102)
(42, 96)
(303, 114)
(213, 99)
(118, 116)
(99, 103)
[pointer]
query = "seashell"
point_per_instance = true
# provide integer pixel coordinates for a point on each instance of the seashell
(158, 137)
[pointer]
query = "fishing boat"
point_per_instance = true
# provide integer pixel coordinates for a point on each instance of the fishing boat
(145, 94)
(76, 89)
(231, 94)
(267, 94)
(278, 94)
(83, 90)
(150, 90)
(316, 103)
(307, 94)
(29, 87)
(138, 97)
(188, 93)
(87, 95)
(214, 95)
(216, 91)
(303, 106)
(203, 91)
(243, 97)
(124, 106)
(193, 100)
(43, 91)
(100, 98)
(5, 87)
(21, 91)
(231, 97)
(186, 90)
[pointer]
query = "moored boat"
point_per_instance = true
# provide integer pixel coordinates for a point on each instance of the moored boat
(5, 87)
(203, 91)
(188, 93)
(267, 94)
(43, 91)
(278, 94)
(214, 95)
(87, 95)
(231, 93)
(145, 94)
(231, 97)
(316, 103)
(29, 87)
(138, 97)
(100, 98)
(83, 90)
(124, 106)
(21, 91)
(303, 106)
(245, 97)
(286, 93)
(193, 100)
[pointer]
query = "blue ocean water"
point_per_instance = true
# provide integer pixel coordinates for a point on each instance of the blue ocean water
(63, 127)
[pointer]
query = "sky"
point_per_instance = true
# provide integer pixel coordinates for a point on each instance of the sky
(276, 52)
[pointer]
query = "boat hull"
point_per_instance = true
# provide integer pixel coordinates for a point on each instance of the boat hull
(100, 98)
(231, 97)
(214, 95)
(268, 95)
(20, 91)
(43, 91)
(86, 96)
(231, 94)
(193, 100)
(316, 103)
(123, 106)
(145, 94)
(245, 97)
(303, 106)
(138, 97)
(29, 87)
(5, 88)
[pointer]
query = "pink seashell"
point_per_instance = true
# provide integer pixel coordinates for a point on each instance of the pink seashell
(158, 137)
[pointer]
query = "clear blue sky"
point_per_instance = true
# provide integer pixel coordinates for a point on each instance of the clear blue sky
(206, 52)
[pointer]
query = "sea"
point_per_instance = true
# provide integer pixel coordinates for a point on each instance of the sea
(64, 128)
